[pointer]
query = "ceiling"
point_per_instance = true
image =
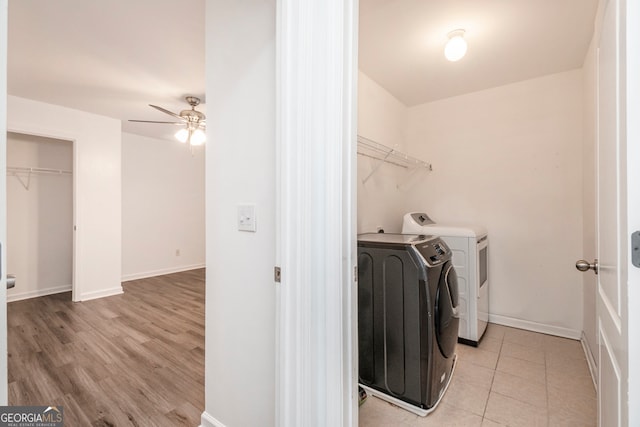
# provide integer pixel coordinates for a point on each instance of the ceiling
(111, 58)
(402, 42)
(115, 57)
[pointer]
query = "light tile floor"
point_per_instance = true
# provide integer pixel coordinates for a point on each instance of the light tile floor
(515, 378)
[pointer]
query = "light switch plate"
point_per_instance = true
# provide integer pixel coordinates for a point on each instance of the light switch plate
(247, 218)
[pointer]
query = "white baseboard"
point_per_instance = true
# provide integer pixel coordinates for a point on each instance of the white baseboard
(207, 420)
(100, 294)
(593, 368)
(160, 272)
(18, 296)
(535, 326)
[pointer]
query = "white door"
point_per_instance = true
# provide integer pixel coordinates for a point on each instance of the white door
(614, 200)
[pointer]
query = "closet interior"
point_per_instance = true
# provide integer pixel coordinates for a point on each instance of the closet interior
(39, 215)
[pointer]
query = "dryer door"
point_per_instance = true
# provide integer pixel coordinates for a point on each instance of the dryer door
(446, 303)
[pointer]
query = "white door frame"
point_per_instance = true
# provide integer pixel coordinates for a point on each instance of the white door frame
(316, 378)
(52, 134)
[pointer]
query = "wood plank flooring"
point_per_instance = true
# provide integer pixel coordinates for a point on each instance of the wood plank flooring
(135, 359)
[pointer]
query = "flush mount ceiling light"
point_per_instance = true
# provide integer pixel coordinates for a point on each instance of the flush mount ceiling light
(194, 122)
(456, 47)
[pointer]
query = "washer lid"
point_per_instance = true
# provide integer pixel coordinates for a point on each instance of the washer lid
(395, 238)
(412, 224)
(455, 230)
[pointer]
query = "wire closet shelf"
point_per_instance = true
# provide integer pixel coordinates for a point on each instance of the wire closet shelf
(21, 171)
(375, 150)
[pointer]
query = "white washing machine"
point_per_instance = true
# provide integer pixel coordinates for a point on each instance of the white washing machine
(470, 247)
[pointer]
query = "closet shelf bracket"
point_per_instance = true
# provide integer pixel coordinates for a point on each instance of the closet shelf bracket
(25, 185)
(382, 160)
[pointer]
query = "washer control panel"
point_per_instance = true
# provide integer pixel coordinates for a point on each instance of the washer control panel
(434, 252)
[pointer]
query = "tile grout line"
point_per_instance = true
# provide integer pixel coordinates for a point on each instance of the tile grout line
(546, 381)
(493, 377)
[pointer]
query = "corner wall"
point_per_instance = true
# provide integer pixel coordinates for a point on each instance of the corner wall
(381, 118)
(162, 207)
(97, 174)
(509, 158)
(240, 366)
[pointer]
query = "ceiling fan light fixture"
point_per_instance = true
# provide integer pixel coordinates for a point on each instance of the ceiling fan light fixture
(182, 135)
(456, 47)
(193, 121)
(198, 137)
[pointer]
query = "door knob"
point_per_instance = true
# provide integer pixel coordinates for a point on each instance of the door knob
(583, 265)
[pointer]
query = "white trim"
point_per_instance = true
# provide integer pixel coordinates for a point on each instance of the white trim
(161, 272)
(316, 151)
(593, 368)
(35, 130)
(350, 411)
(101, 294)
(207, 420)
(38, 293)
(535, 326)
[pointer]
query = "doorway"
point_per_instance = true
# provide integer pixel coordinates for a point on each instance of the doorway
(40, 215)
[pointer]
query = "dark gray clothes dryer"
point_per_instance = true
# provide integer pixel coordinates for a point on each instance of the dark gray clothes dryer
(407, 318)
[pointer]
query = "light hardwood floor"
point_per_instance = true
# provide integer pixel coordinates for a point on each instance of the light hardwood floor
(135, 359)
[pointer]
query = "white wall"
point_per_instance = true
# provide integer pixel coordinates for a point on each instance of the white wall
(39, 217)
(240, 168)
(97, 142)
(589, 183)
(381, 118)
(162, 207)
(509, 158)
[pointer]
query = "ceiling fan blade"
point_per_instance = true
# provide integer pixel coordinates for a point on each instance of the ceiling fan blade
(154, 121)
(171, 113)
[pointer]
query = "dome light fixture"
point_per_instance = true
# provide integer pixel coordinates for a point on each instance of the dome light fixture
(456, 47)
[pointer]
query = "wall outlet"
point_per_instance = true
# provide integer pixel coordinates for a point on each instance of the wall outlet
(177, 252)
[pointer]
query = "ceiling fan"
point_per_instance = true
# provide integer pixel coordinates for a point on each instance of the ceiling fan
(194, 122)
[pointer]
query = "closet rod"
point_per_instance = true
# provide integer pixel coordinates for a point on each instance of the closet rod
(386, 161)
(12, 170)
(21, 171)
